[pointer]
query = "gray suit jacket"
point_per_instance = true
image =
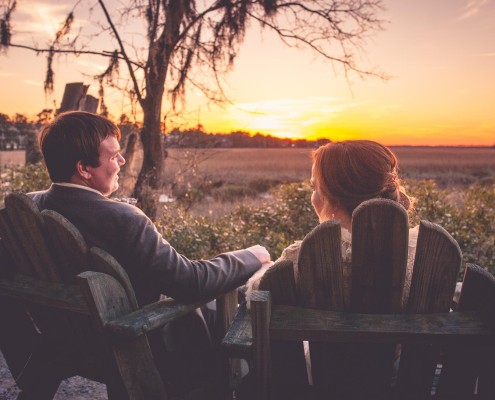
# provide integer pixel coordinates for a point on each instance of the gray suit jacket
(154, 267)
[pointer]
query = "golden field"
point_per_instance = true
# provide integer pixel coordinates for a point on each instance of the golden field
(447, 165)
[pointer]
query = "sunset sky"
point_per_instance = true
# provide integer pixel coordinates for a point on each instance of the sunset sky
(440, 56)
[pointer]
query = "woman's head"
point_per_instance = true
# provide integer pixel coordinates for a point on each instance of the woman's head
(347, 173)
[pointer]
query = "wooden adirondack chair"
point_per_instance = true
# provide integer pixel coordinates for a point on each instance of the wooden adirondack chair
(353, 347)
(67, 310)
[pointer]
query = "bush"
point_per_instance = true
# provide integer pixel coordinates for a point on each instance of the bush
(27, 178)
(275, 226)
(469, 216)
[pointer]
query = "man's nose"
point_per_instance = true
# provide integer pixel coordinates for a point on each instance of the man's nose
(121, 159)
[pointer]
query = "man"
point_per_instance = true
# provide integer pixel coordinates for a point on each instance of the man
(82, 154)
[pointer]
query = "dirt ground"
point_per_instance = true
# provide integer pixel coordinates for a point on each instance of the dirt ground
(76, 388)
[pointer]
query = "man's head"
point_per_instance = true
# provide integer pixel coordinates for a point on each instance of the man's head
(82, 148)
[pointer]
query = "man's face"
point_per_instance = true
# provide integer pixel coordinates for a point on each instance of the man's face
(105, 178)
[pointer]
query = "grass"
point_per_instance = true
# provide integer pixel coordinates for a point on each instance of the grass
(447, 166)
(217, 180)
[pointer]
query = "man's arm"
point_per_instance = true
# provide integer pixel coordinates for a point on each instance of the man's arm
(157, 268)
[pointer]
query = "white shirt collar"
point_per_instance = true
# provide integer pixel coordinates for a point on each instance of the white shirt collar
(73, 185)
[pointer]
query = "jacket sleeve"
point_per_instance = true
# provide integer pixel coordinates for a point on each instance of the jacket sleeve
(157, 268)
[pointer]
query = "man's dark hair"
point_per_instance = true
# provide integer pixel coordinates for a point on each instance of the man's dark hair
(74, 136)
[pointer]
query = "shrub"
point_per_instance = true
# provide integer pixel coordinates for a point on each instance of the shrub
(27, 178)
(469, 216)
(275, 226)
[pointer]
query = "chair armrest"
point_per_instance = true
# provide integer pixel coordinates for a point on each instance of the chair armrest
(238, 341)
(296, 323)
(150, 317)
(155, 315)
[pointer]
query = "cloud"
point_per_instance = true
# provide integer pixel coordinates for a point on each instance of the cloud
(40, 20)
(472, 8)
(5, 74)
(33, 83)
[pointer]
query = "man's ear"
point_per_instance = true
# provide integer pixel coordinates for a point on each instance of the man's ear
(82, 170)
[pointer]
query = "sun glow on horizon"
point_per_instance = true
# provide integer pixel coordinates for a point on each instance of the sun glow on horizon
(287, 118)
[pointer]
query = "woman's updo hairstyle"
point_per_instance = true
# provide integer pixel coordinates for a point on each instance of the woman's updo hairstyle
(353, 171)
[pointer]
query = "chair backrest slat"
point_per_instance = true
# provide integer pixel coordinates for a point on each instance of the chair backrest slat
(380, 234)
(104, 262)
(436, 267)
(67, 245)
(379, 256)
(14, 258)
(319, 271)
(28, 230)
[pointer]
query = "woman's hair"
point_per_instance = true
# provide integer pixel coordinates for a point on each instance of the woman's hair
(74, 136)
(352, 171)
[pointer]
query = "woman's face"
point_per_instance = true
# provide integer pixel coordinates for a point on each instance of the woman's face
(317, 198)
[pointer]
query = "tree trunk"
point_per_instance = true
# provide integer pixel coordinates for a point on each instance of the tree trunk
(150, 180)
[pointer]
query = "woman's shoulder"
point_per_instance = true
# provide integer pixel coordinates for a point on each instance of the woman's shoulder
(291, 252)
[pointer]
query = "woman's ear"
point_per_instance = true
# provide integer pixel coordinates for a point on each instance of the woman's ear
(82, 170)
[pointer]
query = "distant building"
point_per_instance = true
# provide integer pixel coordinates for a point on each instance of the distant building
(11, 139)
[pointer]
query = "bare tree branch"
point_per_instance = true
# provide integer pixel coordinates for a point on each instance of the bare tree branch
(115, 32)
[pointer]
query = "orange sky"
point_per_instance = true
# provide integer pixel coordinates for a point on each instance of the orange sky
(440, 56)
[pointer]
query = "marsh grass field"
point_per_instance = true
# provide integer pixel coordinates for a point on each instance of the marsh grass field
(446, 165)
(217, 179)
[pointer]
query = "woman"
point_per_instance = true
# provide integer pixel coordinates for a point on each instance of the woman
(343, 175)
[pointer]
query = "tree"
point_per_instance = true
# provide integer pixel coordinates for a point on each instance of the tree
(192, 43)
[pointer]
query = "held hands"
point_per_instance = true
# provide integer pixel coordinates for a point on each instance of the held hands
(261, 254)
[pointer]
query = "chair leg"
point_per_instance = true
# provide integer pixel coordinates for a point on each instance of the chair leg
(44, 389)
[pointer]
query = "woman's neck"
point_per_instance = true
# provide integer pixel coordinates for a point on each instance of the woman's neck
(343, 217)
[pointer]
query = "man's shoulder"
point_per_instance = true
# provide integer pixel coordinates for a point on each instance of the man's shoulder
(72, 200)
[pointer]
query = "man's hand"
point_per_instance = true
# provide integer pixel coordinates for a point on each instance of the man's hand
(260, 253)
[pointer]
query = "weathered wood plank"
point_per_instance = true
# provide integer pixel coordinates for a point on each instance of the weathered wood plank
(226, 310)
(288, 362)
(149, 317)
(104, 262)
(261, 311)
(238, 341)
(380, 233)
(469, 366)
(319, 268)
(12, 247)
(279, 279)
(28, 227)
(51, 294)
(296, 323)
(436, 267)
(67, 246)
(320, 278)
(109, 301)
